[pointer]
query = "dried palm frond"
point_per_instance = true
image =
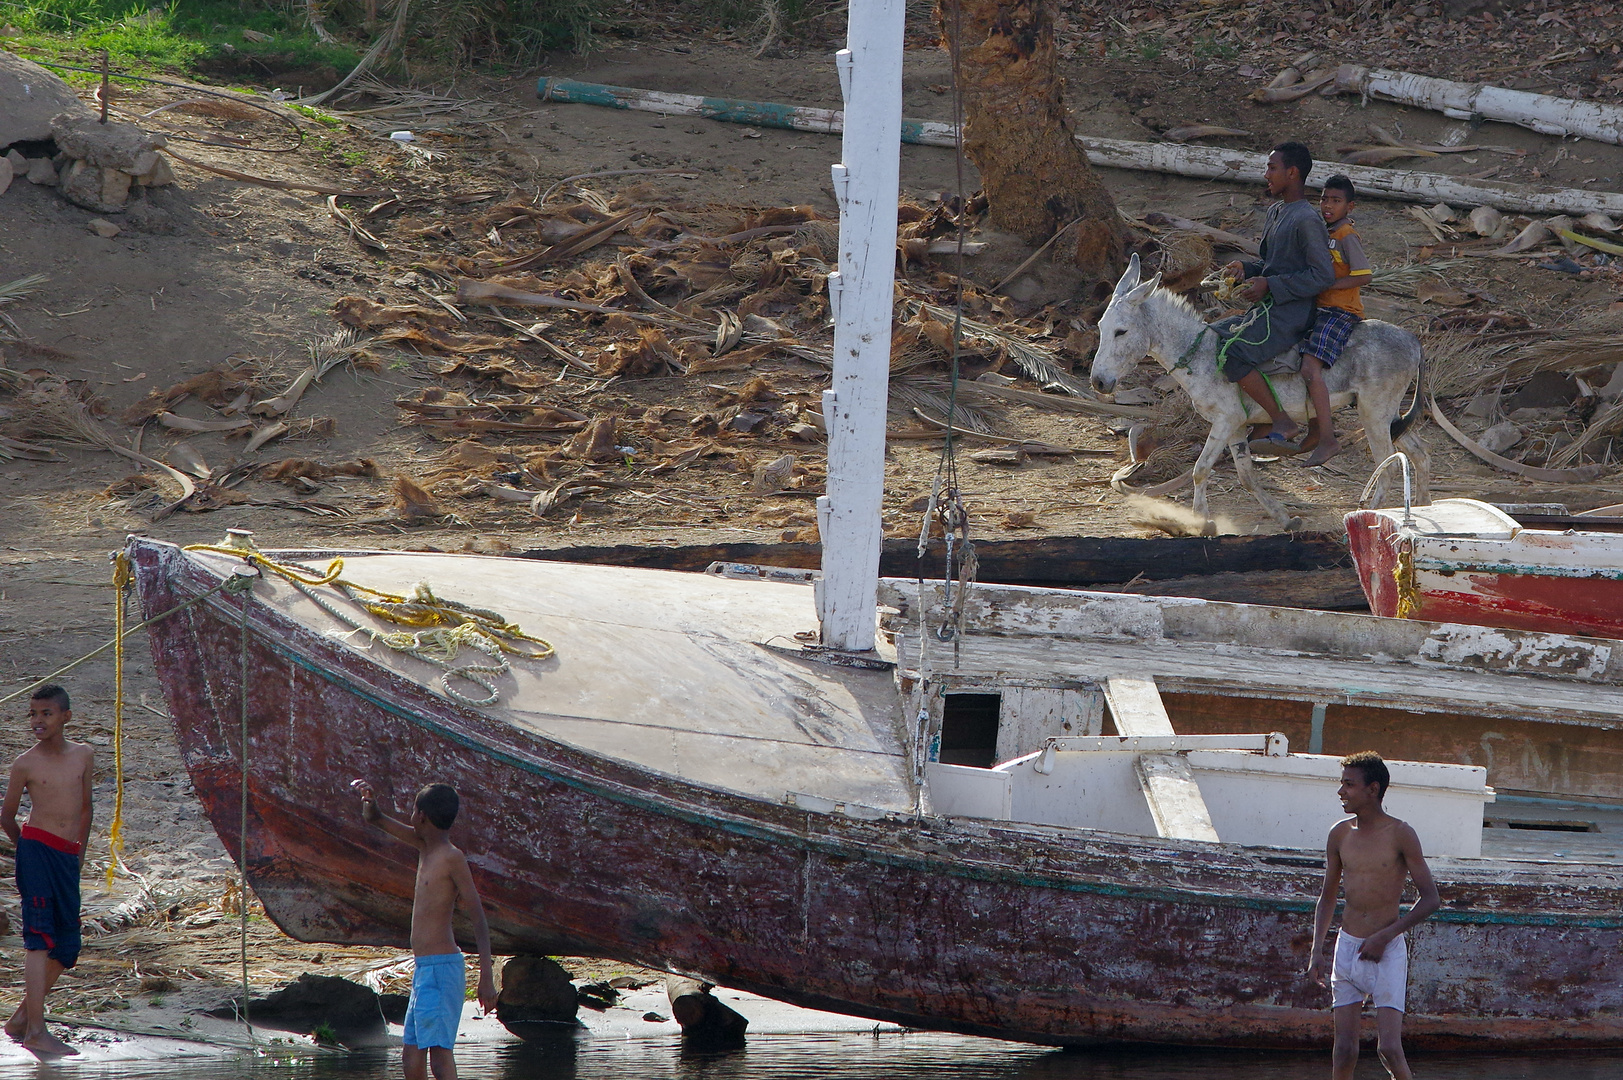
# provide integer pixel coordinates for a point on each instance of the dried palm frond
(12, 291)
(1039, 364)
(1402, 278)
(933, 394)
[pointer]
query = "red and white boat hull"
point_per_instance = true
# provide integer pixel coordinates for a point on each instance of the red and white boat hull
(1463, 561)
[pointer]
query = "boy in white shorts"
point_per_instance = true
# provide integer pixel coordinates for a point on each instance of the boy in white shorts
(1370, 856)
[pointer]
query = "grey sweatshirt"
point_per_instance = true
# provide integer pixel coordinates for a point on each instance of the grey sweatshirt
(1295, 259)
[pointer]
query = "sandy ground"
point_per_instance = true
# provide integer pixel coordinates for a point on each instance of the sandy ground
(249, 273)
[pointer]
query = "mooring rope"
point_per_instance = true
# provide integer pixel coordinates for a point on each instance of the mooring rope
(115, 833)
(445, 626)
(246, 592)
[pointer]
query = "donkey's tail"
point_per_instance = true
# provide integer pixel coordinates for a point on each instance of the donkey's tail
(1405, 420)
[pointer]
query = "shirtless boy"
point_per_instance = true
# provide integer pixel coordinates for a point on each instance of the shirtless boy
(439, 981)
(56, 776)
(1369, 856)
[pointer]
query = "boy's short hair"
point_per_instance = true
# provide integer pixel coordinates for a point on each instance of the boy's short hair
(1372, 766)
(53, 692)
(439, 804)
(1342, 184)
(1295, 155)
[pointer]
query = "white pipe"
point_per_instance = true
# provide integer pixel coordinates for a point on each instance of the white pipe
(1541, 112)
(861, 295)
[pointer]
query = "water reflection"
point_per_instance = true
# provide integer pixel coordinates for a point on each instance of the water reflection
(845, 1057)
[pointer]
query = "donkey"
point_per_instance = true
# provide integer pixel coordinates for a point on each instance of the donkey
(1379, 363)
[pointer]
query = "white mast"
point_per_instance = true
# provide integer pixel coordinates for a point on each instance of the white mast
(861, 296)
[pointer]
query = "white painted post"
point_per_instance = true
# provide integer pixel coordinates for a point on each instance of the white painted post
(861, 296)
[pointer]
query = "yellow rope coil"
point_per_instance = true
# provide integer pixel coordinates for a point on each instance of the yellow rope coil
(115, 835)
(442, 627)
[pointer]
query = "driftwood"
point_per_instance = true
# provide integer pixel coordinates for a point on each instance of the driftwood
(1240, 166)
(1213, 163)
(1463, 101)
(703, 1017)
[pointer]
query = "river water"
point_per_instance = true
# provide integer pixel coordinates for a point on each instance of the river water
(846, 1057)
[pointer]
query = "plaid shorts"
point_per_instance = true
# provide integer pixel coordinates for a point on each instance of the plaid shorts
(1331, 329)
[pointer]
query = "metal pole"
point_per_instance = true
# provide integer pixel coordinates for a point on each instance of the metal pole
(861, 295)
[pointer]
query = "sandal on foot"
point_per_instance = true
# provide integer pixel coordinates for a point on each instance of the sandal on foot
(1274, 444)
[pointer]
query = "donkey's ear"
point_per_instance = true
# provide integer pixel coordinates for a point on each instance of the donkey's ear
(1139, 293)
(1129, 277)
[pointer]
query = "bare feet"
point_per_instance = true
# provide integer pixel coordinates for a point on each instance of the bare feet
(17, 1026)
(1286, 429)
(47, 1045)
(1327, 449)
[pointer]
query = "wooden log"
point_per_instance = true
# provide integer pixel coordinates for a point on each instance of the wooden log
(536, 997)
(1207, 162)
(702, 1016)
(1238, 166)
(1057, 562)
(1542, 113)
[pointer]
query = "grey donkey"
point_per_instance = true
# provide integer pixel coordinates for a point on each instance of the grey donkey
(1379, 364)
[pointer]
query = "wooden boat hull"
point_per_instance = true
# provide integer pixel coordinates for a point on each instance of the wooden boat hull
(1063, 937)
(1564, 582)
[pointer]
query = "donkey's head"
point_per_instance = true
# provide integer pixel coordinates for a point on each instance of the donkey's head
(1124, 329)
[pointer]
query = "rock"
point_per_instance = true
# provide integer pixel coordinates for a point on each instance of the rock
(142, 214)
(1501, 437)
(82, 183)
(596, 995)
(115, 188)
(703, 1018)
(19, 164)
(41, 171)
(30, 97)
(536, 994)
(6, 173)
(309, 1001)
(157, 176)
(124, 147)
(102, 227)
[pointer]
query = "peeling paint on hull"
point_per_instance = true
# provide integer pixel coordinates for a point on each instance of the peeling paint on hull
(1040, 935)
(1485, 583)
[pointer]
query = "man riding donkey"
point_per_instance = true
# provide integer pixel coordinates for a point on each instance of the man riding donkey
(1294, 266)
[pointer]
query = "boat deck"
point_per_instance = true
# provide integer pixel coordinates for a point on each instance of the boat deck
(1546, 831)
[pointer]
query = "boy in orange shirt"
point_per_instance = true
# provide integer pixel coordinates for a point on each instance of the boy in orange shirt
(1340, 312)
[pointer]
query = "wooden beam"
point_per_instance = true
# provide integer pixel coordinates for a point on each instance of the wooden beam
(1176, 804)
(1168, 784)
(1135, 705)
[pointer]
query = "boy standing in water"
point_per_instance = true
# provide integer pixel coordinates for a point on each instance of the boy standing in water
(1340, 312)
(1369, 856)
(56, 775)
(439, 979)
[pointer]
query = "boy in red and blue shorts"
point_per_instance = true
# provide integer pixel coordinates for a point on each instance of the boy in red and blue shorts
(1339, 313)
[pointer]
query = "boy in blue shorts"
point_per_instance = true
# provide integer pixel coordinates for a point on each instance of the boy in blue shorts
(439, 980)
(56, 775)
(1339, 313)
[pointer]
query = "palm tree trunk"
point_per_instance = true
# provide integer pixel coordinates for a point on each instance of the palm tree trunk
(1035, 174)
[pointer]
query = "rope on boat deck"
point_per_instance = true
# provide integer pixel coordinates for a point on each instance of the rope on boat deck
(444, 626)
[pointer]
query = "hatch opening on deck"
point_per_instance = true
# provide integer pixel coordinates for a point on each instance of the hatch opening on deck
(969, 729)
(1536, 825)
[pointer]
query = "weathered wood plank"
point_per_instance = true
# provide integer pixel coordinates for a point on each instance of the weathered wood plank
(1136, 707)
(1169, 786)
(1174, 797)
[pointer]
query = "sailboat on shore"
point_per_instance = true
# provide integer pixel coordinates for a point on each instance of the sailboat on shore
(1053, 816)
